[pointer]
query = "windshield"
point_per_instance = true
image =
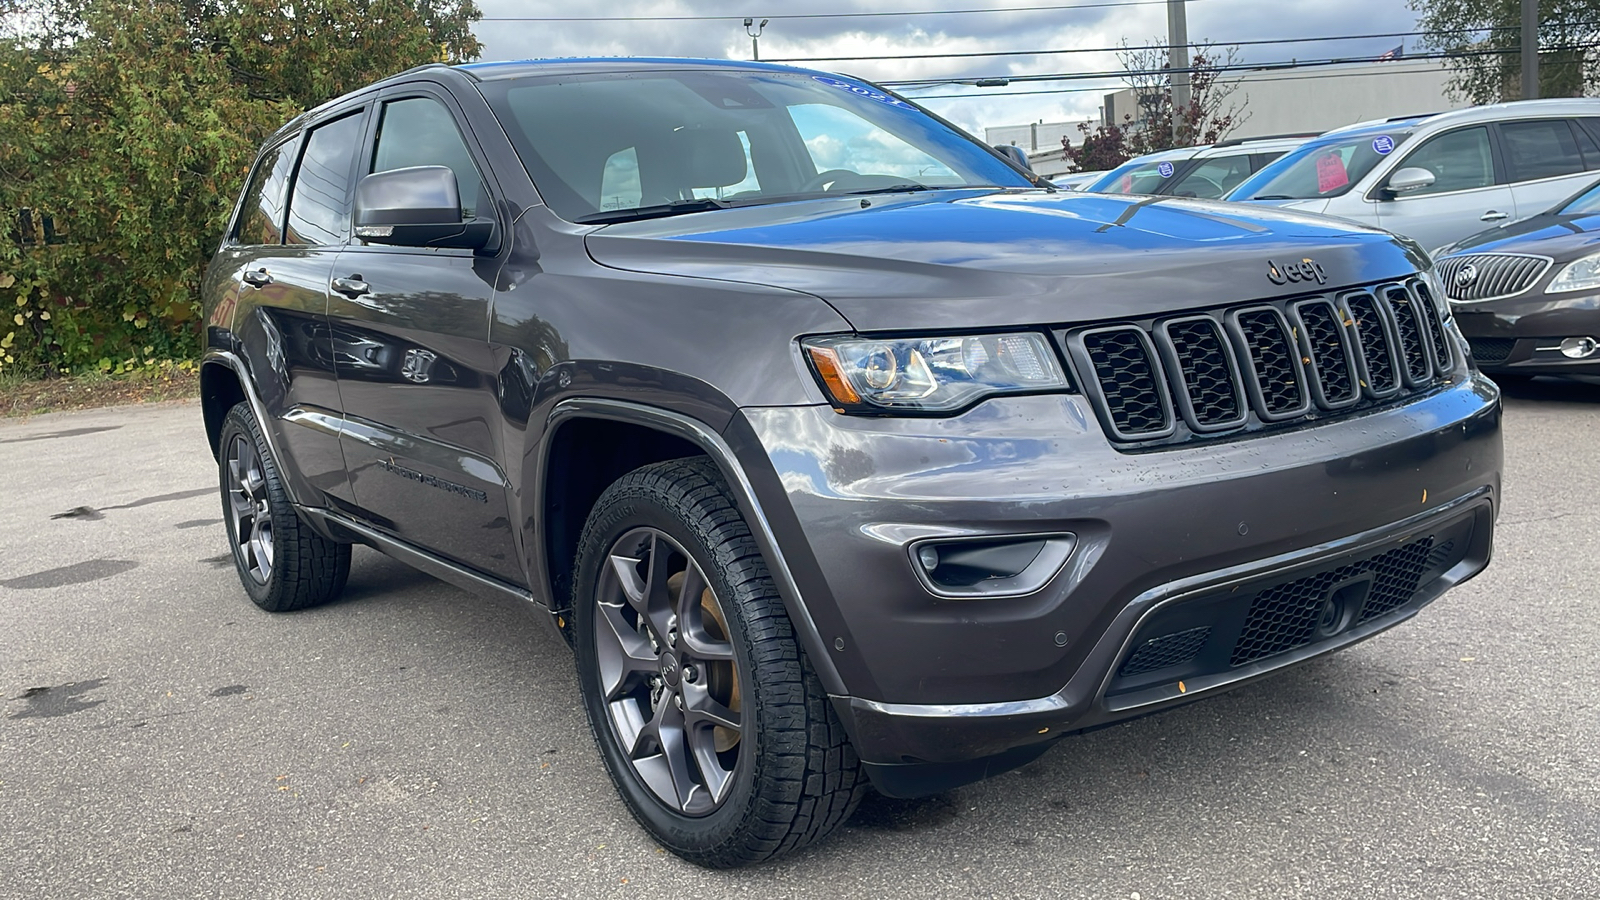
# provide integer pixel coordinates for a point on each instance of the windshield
(1583, 204)
(614, 146)
(1321, 170)
(1136, 176)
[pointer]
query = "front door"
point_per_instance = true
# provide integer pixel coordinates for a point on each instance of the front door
(417, 381)
(1466, 195)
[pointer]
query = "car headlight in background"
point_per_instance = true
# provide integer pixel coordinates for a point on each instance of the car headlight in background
(931, 375)
(1578, 275)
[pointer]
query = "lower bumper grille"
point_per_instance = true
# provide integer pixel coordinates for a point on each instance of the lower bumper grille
(1491, 350)
(1213, 634)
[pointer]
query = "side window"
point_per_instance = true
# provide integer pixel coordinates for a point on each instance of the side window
(1459, 161)
(261, 216)
(420, 131)
(319, 208)
(1542, 148)
(1586, 144)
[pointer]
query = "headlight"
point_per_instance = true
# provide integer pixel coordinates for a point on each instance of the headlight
(1578, 275)
(931, 375)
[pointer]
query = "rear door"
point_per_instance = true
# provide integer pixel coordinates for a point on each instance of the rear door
(281, 329)
(1468, 193)
(419, 386)
(1547, 160)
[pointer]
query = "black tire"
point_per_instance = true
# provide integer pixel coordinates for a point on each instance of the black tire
(794, 777)
(285, 566)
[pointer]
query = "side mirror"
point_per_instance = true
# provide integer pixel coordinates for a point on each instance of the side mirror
(417, 207)
(1016, 154)
(1411, 178)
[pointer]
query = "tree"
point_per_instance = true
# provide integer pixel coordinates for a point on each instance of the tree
(130, 126)
(1210, 115)
(1490, 31)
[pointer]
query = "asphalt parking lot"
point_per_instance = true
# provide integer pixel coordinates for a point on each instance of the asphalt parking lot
(162, 738)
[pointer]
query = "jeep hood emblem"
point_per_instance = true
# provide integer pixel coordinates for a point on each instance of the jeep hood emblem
(1306, 269)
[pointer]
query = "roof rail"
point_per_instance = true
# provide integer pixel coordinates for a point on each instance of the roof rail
(1234, 142)
(1412, 116)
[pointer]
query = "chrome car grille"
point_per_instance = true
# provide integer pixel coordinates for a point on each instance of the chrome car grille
(1475, 277)
(1246, 368)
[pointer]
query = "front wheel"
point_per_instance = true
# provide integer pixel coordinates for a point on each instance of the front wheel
(711, 722)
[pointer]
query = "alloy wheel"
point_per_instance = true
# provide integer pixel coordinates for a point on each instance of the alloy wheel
(250, 509)
(667, 672)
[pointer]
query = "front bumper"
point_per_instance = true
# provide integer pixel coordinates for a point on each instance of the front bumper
(984, 684)
(1521, 335)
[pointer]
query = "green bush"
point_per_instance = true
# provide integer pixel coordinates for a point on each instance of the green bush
(129, 127)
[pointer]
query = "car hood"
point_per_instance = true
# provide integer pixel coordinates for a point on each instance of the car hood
(1560, 237)
(973, 259)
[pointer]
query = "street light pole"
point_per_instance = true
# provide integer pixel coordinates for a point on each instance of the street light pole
(1530, 49)
(754, 31)
(1178, 62)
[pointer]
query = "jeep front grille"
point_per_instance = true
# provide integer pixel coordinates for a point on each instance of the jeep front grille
(1494, 275)
(1252, 367)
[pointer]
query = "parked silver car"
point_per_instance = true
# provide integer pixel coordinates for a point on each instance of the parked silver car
(1439, 178)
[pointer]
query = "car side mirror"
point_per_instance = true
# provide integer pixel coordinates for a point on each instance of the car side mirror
(1017, 155)
(1411, 178)
(418, 206)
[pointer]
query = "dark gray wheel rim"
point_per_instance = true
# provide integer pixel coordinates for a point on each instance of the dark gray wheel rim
(667, 672)
(250, 509)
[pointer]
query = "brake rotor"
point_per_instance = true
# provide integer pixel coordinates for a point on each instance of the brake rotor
(722, 681)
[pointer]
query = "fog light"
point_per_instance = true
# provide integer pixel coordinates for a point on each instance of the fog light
(1579, 347)
(1001, 566)
(928, 555)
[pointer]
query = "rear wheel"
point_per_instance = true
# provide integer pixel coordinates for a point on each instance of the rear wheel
(282, 563)
(710, 721)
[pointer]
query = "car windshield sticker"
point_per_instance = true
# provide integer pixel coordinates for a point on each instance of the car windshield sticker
(1383, 144)
(879, 96)
(1125, 184)
(1165, 169)
(1330, 173)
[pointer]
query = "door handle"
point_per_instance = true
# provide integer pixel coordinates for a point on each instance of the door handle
(1493, 215)
(351, 287)
(257, 277)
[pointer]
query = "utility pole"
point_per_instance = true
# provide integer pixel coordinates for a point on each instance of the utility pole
(1178, 62)
(754, 31)
(1530, 49)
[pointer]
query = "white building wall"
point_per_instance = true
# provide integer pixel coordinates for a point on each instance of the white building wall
(1298, 100)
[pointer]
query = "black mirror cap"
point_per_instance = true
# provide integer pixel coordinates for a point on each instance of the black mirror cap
(1016, 155)
(419, 206)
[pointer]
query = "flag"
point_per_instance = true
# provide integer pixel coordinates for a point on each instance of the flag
(1396, 53)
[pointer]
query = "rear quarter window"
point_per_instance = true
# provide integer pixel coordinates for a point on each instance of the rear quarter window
(261, 212)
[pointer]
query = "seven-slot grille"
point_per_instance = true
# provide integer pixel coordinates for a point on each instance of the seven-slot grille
(1174, 379)
(1493, 275)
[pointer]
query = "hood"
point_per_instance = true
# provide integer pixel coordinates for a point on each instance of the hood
(1560, 237)
(984, 259)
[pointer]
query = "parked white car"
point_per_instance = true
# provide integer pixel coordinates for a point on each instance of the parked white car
(1439, 178)
(1208, 171)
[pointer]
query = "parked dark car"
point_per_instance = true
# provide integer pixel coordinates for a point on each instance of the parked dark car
(1527, 294)
(842, 449)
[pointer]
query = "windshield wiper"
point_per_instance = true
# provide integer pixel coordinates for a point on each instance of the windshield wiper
(1272, 197)
(894, 189)
(656, 211)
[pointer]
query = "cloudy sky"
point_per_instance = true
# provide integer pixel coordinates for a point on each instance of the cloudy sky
(1094, 24)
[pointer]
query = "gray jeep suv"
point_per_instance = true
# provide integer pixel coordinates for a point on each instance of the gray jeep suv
(842, 450)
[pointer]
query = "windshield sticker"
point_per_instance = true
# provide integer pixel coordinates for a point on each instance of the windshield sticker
(1165, 169)
(1330, 173)
(1125, 184)
(1383, 144)
(879, 96)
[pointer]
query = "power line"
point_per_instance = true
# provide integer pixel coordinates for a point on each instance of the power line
(842, 15)
(1194, 44)
(1308, 64)
(1247, 67)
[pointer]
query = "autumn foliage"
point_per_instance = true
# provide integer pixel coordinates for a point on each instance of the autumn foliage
(128, 127)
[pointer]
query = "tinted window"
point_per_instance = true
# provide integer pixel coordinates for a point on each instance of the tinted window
(1543, 148)
(421, 132)
(1137, 176)
(1459, 161)
(319, 210)
(1586, 143)
(1213, 178)
(262, 214)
